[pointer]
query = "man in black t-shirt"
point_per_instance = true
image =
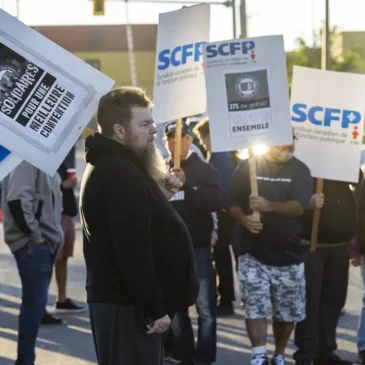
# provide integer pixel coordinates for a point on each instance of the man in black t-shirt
(270, 265)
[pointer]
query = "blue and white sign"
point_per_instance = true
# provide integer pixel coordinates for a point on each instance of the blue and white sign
(327, 109)
(8, 162)
(179, 89)
(247, 91)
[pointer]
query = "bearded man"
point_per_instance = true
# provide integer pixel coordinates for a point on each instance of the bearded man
(138, 252)
(270, 262)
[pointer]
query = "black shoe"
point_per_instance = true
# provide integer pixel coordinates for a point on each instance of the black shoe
(69, 307)
(225, 310)
(332, 360)
(362, 357)
(48, 319)
(303, 362)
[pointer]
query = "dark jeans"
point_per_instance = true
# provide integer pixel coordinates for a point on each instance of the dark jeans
(327, 274)
(120, 336)
(223, 260)
(182, 331)
(35, 263)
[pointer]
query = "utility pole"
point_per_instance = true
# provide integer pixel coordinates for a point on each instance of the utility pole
(325, 57)
(17, 9)
(243, 18)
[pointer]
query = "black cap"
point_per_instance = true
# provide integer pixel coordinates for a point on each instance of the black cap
(171, 128)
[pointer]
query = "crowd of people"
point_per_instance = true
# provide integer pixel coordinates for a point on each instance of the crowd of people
(156, 237)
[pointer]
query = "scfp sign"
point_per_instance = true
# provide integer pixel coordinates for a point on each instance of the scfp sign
(322, 116)
(230, 48)
(180, 55)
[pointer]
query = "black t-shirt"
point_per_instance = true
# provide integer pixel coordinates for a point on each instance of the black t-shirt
(278, 244)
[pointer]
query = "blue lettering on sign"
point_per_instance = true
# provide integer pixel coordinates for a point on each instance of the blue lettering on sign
(180, 55)
(229, 48)
(319, 115)
(3, 153)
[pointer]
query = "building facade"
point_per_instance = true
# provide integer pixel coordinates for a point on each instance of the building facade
(105, 48)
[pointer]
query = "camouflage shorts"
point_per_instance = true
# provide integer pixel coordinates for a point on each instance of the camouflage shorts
(284, 286)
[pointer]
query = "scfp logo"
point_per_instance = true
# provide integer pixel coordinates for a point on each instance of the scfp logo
(230, 48)
(180, 55)
(319, 115)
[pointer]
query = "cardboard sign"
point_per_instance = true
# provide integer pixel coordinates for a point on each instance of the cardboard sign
(47, 95)
(328, 118)
(179, 89)
(8, 162)
(248, 98)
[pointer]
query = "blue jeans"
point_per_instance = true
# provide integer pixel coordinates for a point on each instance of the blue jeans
(361, 328)
(182, 331)
(35, 263)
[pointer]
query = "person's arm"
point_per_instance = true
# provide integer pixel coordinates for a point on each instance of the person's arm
(361, 217)
(130, 216)
(20, 198)
(224, 165)
(300, 196)
(205, 197)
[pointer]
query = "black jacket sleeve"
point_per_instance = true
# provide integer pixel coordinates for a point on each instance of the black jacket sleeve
(130, 224)
(207, 195)
(239, 184)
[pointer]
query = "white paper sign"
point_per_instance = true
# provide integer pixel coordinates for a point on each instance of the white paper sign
(179, 89)
(328, 118)
(47, 95)
(8, 162)
(247, 93)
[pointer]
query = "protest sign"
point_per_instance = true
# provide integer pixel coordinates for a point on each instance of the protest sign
(247, 93)
(328, 119)
(47, 95)
(179, 89)
(8, 162)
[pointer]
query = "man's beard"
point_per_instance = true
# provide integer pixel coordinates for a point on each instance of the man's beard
(152, 160)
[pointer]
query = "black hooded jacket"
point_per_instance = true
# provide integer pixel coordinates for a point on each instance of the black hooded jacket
(137, 249)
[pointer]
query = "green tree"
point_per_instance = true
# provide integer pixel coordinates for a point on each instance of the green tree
(310, 56)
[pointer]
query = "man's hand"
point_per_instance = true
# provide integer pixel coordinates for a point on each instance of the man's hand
(317, 201)
(214, 238)
(180, 174)
(356, 261)
(252, 224)
(40, 241)
(160, 326)
(259, 204)
(69, 183)
(173, 181)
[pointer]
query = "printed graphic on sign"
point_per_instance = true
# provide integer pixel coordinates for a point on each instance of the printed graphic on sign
(8, 162)
(47, 96)
(328, 118)
(248, 102)
(179, 89)
(247, 93)
(32, 98)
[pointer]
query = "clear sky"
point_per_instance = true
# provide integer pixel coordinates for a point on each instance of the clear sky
(292, 18)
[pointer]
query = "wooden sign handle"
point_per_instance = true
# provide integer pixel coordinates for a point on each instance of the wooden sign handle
(87, 132)
(177, 153)
(253, 182)
(316, 216)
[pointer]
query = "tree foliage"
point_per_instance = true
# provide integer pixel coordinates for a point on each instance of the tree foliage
(310, 56)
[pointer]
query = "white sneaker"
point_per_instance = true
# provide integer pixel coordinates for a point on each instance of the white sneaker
(260, 360)
(278, 360)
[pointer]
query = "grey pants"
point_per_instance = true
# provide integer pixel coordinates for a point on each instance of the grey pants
(120, 336)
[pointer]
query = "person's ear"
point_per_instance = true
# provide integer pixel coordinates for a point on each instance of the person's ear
(119, 131)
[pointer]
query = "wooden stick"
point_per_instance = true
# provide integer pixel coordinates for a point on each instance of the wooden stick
(87, 132)
(177, 155)
(316, 216)
(253, 181)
